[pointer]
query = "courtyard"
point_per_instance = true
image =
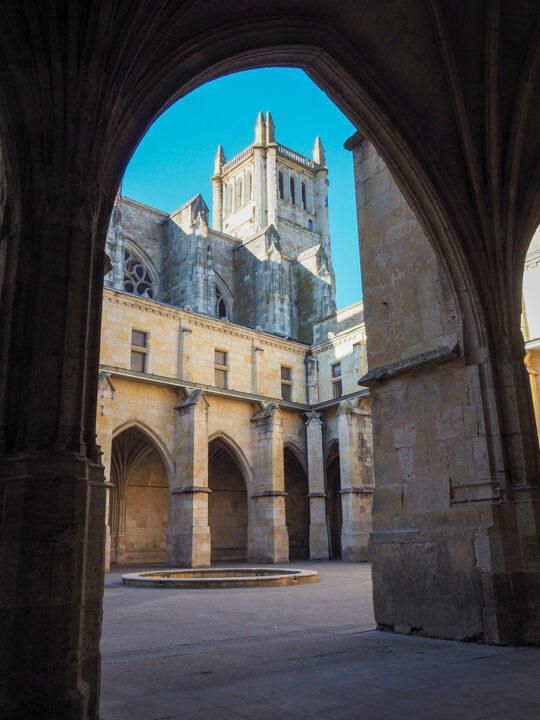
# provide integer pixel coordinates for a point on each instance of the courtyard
(310, 651)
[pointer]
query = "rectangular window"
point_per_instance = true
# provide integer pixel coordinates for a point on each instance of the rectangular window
(220, 368)
(280, 185)
(304, 195)
(139, 350)
(337, 385)
(286, 382)
(336, 370)
(293, 195)
(337, 389)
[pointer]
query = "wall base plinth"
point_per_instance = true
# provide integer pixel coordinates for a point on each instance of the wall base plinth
(318, 542)
(355, 542)
(52, 583)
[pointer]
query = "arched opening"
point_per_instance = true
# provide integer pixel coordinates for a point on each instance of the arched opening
(451, 204)
(227, 503)
(293, 190)
(138, 500)
(334, 510)
(296, 506)
(221, 306)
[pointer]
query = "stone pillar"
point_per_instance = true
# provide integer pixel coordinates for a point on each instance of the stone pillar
(259, 187)
(312, 380)
(357, 480)
(52, 489)
(104, 428)
(318, 528)
(217, 190)
(271, 183)
(188, 533)
(268, 539)
(257, 352)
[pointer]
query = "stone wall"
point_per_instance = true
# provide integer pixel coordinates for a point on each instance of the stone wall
(434, 486)
(181, 345)
(146, 512)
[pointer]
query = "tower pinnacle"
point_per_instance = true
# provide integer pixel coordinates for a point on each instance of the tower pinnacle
(219, 160)
(318, 152)
(270, 129)
(260, 134)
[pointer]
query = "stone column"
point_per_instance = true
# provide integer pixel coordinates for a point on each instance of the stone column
(318, 528)
(271, 183)
(104, 428)
(259, 186)
(52, 489)
(188, 533)
(268, 539)
(257, 352)
(357, 480)
(312, 380)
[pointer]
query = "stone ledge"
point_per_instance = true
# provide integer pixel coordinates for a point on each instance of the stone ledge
(443, 354)
(190, 489)
(269, 493)
(369, 489)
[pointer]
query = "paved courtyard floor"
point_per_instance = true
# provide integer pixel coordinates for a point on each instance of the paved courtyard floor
(281, 653)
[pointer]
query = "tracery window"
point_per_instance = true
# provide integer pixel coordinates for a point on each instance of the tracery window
(221, 306)
(137, 279)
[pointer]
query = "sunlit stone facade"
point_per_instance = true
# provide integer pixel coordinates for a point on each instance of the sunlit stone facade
(229, 390)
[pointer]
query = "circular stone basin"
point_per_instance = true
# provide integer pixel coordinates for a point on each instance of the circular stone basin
(220, 578)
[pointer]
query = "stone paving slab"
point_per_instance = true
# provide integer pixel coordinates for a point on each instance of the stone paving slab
(283, 653)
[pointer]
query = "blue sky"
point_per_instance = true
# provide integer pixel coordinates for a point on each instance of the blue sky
(175, 159)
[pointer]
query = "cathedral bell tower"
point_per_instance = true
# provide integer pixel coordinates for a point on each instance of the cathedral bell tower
(270, 184)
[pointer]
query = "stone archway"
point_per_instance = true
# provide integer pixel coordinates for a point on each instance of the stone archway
(460, 131)
(227, 503)
(296, 505)
(138, 505)
(333, 507)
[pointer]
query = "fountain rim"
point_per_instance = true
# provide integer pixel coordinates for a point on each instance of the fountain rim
(267, 577)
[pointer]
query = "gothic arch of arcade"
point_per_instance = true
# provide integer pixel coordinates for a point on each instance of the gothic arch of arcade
(153, 438)
(228, 501)
(138, 505)
(333, 500)
(296, 502)
(446, 94)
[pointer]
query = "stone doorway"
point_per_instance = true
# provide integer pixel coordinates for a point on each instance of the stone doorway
(138, 505)
(227, 504)
(334, 510)
(296, 506)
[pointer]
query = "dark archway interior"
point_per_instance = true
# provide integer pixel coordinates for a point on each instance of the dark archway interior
(227, 506)
(138, 501)
(335, 517)
(296, 507)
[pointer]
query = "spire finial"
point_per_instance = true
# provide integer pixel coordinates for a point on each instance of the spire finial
(260, 130)
(219, 160)
(318, 152)
(270, 128)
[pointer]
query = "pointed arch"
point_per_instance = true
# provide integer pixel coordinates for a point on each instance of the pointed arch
(224, 295)
(297, 453)
(237, 453)
(154, 439)
(138, 266)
